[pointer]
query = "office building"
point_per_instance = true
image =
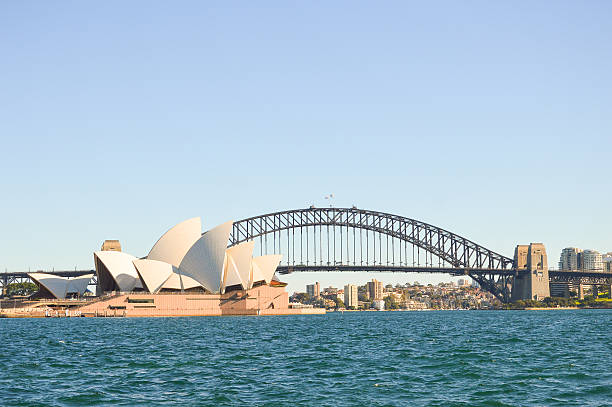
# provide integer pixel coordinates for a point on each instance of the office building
(570, 259)
(351, 298)
(314, 290)
(375, 290)
(592, 261)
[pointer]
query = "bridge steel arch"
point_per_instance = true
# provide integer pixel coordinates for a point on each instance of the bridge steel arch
(461, 256)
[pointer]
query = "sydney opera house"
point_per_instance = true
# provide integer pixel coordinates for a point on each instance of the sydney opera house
(186, 272)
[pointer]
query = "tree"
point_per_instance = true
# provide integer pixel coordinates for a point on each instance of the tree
(339, 303)
(390, 302)
(303, 298)
(21, 289)
(588, 301)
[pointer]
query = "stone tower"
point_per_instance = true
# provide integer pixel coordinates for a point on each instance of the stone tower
(111, 245)
(531, 282)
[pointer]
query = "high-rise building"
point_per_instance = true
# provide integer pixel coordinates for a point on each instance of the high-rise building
(350, 296)
(375, 290)
(592, 261)
(607, 263)
(570, 259)
(314, 290)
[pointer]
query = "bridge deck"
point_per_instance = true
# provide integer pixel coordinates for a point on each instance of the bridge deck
(389, 269)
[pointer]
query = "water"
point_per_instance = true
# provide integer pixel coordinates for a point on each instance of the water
(469, 358)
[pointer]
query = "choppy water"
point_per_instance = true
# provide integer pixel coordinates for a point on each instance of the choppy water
(471, 358)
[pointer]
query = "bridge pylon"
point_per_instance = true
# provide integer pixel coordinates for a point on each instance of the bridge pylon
(531, 281)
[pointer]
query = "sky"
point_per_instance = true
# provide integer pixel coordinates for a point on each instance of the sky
(120, 119)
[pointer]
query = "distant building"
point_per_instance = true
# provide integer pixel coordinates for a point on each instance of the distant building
(592, 261)
(463, 282)
(375, 290)
(314, 290)
(570, 259)
(607, 263)
(378, 304)
(111, 246)
(350, 296)
(329, 291)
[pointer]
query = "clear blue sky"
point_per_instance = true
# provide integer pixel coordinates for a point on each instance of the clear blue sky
(119, 119)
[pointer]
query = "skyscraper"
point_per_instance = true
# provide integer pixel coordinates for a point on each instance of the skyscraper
(570, 259)
(314, 290)
(592, 261)
(607, 262)
(375, 289)
(350, 296)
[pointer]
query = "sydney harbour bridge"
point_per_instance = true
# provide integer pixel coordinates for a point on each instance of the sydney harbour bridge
(357, 240)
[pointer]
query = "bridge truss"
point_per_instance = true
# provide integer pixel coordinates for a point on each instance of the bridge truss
(351, 239)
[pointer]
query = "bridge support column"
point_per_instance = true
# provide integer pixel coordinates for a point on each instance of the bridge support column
(581, 291)
(532, 282)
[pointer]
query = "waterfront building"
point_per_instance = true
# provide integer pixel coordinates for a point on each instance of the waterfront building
(570, 259)
(203, 274)
(314, 290)
(329, 291)
(350, 296)
(561, 289)
(378, 304)
(375, 290)
(184, 259)
(592, 261)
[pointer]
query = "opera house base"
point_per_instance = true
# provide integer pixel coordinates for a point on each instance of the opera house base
(262, 300)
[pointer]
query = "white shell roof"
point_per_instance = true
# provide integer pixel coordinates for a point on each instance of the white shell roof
(174, 244)
(153, 273)
(238, 264)
(178, 282)
(264, 267)
(204, 262)
(60, 286)
(122, 269)
(79, 284)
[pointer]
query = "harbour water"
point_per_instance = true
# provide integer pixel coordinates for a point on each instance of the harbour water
(445, 358)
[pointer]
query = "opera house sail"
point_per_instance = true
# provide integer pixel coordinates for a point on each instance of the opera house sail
(185, 259)
(53, 286)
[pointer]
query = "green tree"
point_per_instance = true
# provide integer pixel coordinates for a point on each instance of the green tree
(21, 289)
(303, 298)
(339, 303)
(390, 302)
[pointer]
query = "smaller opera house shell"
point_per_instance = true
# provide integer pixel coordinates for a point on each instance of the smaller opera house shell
(53, 286)
(185, 260)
